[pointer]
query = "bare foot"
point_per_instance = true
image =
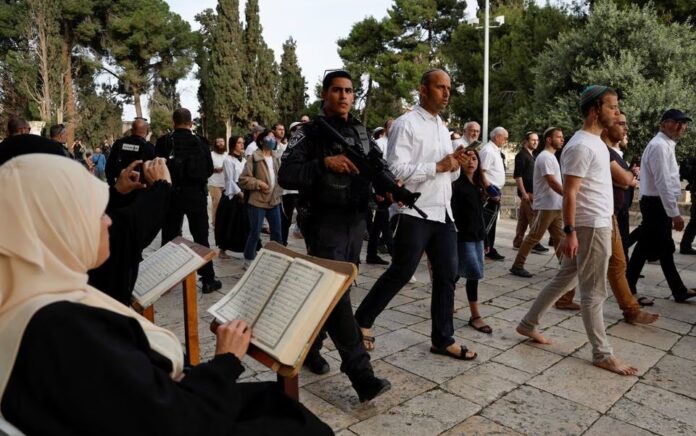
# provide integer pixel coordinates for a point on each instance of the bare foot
(615, 365)
(642, 317)
(535, 336)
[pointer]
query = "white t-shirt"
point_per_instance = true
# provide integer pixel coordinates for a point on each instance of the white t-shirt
(217, 179)
(271, 171)
(251, 148)
(492, 164)
(546, 198)
(587, 156)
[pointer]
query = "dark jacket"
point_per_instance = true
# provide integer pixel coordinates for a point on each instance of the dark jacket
(186, 138)
(467, 208)
(124, 152)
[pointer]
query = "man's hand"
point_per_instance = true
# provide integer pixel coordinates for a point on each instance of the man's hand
(155, 170)
(340, 164)
(678, 223)
(390, 196)
(526, 197)
(129, 179)
(233, 337)
(447, 164)
(569, 245)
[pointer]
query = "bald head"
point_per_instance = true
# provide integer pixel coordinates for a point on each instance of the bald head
(140, 128)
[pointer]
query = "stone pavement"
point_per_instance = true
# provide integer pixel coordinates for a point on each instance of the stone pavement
(514, 387)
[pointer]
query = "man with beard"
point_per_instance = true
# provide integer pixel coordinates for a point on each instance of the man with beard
(587, 210)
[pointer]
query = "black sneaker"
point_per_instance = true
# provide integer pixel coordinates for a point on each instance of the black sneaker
(371, 387)
(375, 260)
(539, 249)
(521, 272)
(494, 255)
(317, 364)
(211, 286)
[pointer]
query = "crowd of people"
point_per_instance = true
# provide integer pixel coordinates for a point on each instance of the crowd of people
(71, 246)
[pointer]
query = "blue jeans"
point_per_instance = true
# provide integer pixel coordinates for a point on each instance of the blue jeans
(256, 216)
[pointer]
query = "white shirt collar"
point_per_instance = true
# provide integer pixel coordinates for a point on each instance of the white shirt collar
(667, 139)
(425, 114)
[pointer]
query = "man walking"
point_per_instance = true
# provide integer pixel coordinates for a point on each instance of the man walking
(420, 153)
(587, 211)
(493, 167)
(524, 178)
(659, 192)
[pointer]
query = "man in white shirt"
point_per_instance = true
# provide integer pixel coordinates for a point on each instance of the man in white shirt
(659, 192)
(216, 182)
(472, 132)
(491, 162)
(421, 154)
(587, 210)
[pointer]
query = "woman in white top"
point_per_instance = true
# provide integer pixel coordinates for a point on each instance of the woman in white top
(233, 221)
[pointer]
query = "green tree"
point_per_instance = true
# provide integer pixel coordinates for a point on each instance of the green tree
(207, 20)
(99, 106)
(261, 68)
(229, 106)
(670, 10)
(651, 62)
(145, 40)
(292, 91)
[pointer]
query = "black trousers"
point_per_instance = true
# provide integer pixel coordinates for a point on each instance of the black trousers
(489, 242)
(380, 229)
(192, 202)
(690, 230)
(289, 206)
(340, 238)
(412, 237)
(655, 241)
(622, 220)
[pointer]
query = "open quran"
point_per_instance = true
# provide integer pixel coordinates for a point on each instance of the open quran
(163, 270)
(284, 299)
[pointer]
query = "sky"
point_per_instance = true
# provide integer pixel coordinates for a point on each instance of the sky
(316, 25)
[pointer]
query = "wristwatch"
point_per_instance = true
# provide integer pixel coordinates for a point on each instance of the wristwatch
(568, 229)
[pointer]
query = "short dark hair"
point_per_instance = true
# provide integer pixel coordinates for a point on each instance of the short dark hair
(597, 101)
(528, 134)
(277, 124)
(56, 130)
(550, 131)
(425, 78)
(14, 124)
(181, 116)
(334, 74)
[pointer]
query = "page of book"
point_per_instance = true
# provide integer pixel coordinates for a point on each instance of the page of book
(295, 309)
(248, 297)
(162, 270)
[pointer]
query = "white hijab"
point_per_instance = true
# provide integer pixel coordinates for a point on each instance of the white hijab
(50, 225)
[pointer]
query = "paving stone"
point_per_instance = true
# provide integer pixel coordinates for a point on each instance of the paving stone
(516, 314)
(503, 336)
(670, 324)
(486, 382)
(506, 302)
(667, 403)
(527, 293)
(345, 432)
(564, 341)
(527, 358)
(640, 356)
(480, 426)
(419, 360)
(485, 309)
(609, 426)
(429, 413)
(337, 391)
(419, 308)
(685, 312)
(531, 411)
(644, 417)
(574, 323)
(426, 327)
(644, 334)
(308, 377)
(581, 382)
(390, 343)
(685, 348)
(331, 415)
(488, 290)
(674, 374)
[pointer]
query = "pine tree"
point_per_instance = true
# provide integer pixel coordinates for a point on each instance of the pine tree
(292, 90)
(261, 69)
(229, 105)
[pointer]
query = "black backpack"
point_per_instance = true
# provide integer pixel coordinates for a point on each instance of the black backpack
(187, 164)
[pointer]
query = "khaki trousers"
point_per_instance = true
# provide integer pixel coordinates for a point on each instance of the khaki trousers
(525, 217)
(588, 271)
(215, 196)
(551, 220)
(616, 274)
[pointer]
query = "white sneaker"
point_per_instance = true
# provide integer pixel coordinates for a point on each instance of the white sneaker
(413, 279)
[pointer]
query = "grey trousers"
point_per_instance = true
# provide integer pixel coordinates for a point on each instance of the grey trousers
(588, 272)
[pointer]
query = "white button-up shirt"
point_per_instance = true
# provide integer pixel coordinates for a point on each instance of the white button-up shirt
(492, 164)
(417, 141)
(659, 173)
(232, 169)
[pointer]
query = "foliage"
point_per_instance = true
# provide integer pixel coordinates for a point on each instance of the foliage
(261, 69)
(293, 87)
(99, 107)
(652, 63)
(669, 10)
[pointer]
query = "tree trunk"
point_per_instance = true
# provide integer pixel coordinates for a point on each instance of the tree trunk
(228, 132)
(368, 94)
(71, 102)
(136, 102)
